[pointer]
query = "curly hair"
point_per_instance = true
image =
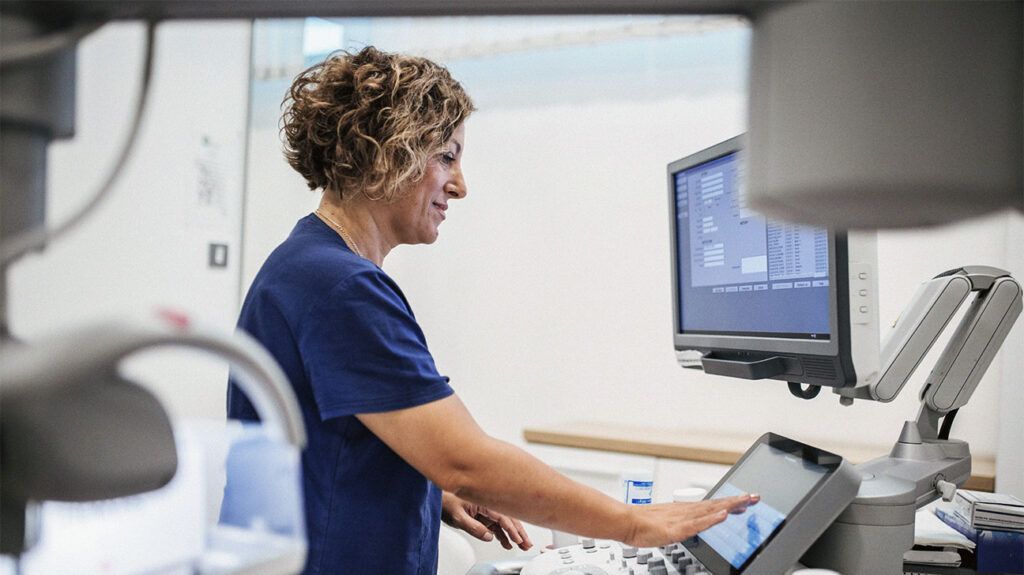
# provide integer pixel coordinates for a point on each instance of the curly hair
(368, 123)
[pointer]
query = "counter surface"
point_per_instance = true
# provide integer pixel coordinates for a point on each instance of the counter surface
(718, 448)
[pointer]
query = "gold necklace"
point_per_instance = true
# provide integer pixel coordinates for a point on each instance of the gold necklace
(344, 234)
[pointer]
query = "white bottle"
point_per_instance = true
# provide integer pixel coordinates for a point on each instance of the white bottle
(688, 494)
(637, 486)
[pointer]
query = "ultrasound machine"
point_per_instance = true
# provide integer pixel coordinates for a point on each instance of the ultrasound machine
(760, 299)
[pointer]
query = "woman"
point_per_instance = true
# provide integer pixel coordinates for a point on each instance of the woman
(392, 451)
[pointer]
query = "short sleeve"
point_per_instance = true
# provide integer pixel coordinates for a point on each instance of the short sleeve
(363, 351)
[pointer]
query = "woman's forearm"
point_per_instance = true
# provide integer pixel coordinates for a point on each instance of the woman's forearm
(509, 480)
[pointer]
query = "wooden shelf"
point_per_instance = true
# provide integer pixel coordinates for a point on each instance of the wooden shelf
(703, 447)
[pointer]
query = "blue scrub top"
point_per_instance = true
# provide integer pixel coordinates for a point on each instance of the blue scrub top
(348, 341)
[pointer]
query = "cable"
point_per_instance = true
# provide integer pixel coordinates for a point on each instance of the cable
(809, 392)
(947, 424)
(38, 237)
(47, 45)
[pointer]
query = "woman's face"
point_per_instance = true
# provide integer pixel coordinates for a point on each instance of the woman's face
(420, 212)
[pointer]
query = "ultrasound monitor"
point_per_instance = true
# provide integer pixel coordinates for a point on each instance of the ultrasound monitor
(758, 298)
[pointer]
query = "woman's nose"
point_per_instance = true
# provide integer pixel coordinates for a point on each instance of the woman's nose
(456, 187)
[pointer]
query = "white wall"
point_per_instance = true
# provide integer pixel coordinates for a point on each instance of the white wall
(1010, 463)
(146, 247)
(276, 196)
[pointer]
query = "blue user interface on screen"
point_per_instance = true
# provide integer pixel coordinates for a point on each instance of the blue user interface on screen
(782, 479)
(740, 274)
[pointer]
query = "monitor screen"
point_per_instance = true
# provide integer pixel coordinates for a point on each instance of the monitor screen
(738, 273)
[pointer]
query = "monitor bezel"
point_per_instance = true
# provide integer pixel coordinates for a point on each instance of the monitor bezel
(767, 343)
(830, 461)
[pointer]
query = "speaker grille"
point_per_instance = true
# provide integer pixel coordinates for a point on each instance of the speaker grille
(819, 367)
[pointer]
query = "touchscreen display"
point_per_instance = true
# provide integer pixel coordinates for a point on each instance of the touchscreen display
(782, 479)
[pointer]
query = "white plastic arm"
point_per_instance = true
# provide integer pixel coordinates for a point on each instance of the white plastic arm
(924, 319)
(72, 357)
(966, 357)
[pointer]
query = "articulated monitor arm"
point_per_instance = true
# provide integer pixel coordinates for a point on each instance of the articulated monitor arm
(923, 463)
(972, 346)
(967, 355)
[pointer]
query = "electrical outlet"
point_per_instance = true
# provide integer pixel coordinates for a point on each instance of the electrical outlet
(218, 256)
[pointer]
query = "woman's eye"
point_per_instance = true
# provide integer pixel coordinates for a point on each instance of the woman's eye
(447, 157)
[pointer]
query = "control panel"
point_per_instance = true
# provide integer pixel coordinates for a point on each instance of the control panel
(600, 557)
(802, 490)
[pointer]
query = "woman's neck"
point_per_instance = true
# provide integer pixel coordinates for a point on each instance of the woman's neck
(357, 220)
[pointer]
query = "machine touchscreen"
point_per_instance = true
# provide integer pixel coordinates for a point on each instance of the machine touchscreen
(801, 492)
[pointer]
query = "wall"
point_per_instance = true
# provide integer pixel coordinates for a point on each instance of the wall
(146, 247)
(276, 196)
(1010, 462)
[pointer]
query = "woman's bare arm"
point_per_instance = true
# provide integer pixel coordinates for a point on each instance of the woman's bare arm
(443, 441)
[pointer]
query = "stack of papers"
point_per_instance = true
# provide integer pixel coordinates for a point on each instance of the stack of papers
(931, 531)
(997, 511)
(996, 551)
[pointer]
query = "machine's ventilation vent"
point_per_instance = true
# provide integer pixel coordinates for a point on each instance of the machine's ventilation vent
(818, 367)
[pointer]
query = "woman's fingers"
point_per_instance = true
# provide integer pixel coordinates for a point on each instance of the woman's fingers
(487, 525)
(470, 525)
(736, 504)
(695, 526)
(524, 539)
(500, 533)
(512, 527)
(715, 512)
(506, 523)
(671, 522)
(516, 532)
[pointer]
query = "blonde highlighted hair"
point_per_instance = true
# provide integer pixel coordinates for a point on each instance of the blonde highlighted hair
(367, 123)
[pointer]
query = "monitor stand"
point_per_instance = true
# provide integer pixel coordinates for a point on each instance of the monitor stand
(872, 534)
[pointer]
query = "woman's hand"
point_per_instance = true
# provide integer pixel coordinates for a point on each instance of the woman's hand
(483, 523)
(666, 523)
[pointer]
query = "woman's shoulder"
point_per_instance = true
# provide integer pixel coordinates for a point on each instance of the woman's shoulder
(311, 241)
(318, 264)
(309, 271)
(311, 259)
